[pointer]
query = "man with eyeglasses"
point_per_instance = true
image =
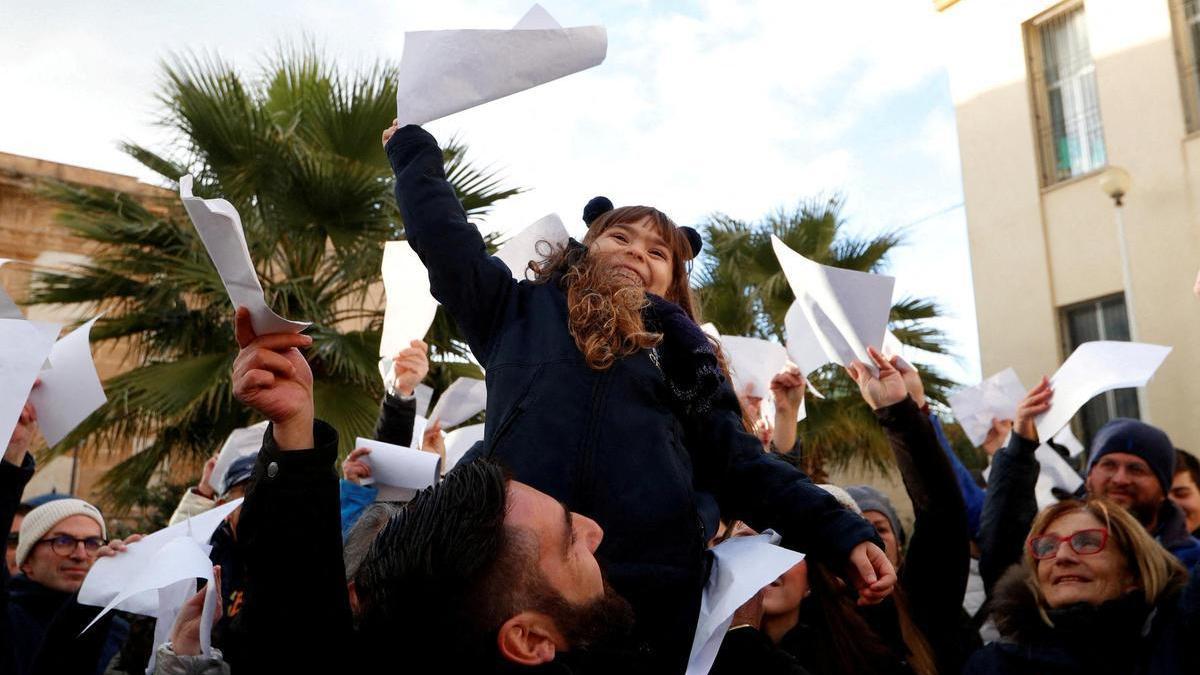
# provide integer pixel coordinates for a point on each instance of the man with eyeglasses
(57, 545)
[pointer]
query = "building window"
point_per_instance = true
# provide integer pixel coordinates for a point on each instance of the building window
(1103, 319)
(1185, 16)
(1066, 107)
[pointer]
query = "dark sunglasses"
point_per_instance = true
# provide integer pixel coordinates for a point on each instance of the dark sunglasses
(64, 544)
(1083, 542)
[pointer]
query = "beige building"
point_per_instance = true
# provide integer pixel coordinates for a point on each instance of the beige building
(31, 238)
(1048, 95)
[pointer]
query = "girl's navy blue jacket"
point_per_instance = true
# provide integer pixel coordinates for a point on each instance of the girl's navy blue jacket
(606, 443)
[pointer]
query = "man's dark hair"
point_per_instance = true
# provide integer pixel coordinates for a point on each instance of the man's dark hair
(444, 572)
(1186, 461)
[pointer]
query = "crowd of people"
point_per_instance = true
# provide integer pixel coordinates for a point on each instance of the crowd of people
(575, 537)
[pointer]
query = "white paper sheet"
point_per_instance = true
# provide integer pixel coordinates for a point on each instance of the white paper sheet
(447, 71)
(743, 566)
(533, 243)
(846, 310)
(111, 577)
(754, 363)
(537, 18)
(423, 394)
(1066, 438)
(398, 466)
(462, 400)
(177, 560)
(458, 442)
(70, 389)
(1054, 473)
(8, 307)
(420, 424)
(243, 442)
(1092, 369)
(996, 397)
(24, 348)
(220, 228)
(410, 306)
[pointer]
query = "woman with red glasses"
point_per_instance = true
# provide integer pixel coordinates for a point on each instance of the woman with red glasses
(1094, 594)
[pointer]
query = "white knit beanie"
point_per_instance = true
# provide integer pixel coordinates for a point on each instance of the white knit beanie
(42, 519)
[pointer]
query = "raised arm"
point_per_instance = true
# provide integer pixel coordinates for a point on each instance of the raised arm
(474, 287)
(1011, 503)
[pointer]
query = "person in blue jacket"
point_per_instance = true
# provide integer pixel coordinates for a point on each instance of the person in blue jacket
(604, 393)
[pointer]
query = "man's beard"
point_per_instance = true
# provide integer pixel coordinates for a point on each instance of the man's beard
(603, 623)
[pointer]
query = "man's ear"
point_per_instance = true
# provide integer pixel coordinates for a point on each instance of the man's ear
(529, 639)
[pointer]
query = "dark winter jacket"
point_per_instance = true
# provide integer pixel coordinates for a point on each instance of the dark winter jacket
(296, 613)
(1011, 505)
(41, 627)
(607, 443)
(1123, 636)
(937, 559)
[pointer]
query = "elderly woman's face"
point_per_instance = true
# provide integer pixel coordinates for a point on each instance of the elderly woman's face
(1069, 577)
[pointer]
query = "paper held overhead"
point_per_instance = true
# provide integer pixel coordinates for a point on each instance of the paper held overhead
(410, 306)
(847, 311)
(462, 400)
(1092, 369)
(24, 348)
(220, 228)
(447, 71)
(116, 582)
(398, 466)
(741, 567)
(534, 243)
(70, 389)
(997, 397)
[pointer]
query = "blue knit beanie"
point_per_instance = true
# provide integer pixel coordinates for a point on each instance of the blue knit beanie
(1137, 438)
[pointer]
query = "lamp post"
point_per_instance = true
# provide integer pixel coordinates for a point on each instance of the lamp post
(1115, 182)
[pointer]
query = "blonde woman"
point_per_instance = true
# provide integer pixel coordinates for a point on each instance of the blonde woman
(1093, 594)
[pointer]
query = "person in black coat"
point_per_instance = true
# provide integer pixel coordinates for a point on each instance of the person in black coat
(1094, 594)
(604, 393)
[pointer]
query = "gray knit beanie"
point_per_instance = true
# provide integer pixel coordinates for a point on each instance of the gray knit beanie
(42, 519)
(870, 499)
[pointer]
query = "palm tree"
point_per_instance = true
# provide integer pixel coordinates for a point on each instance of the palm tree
(743, 292)
(296, 150)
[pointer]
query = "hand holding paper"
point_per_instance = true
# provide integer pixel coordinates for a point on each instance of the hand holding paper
(446, 71)
(753, 362)
(1092, 369)
(397, 466)
(220, 228)
(742, 566)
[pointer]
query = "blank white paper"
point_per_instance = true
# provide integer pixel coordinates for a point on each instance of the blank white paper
(458, 442)
(534, 243)
(996, 397)
(410, 306)
(70, 389)
(1092, 369)
(754, 362)
(447, 71)
(847, 311)
(24, 348)
(398, 466)
(743, 566)
(117, 582)
(465, 398)
(220, 228)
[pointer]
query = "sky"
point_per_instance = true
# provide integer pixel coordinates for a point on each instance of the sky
(738, 107)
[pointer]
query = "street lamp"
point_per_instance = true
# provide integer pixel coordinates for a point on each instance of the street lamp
(1116, 182)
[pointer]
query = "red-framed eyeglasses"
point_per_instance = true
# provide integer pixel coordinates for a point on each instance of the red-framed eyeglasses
(1083, 542)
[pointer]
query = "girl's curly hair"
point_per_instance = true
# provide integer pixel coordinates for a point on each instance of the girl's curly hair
(604, 312)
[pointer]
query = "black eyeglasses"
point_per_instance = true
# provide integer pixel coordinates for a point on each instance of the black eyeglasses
(65, 544)
(1083, 542)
